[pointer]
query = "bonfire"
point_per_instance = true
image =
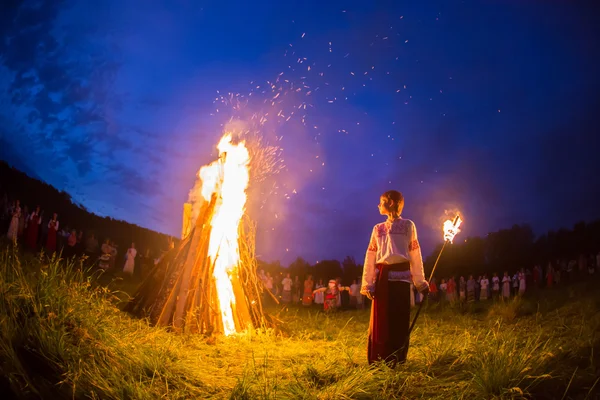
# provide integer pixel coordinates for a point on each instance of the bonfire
(208, 283)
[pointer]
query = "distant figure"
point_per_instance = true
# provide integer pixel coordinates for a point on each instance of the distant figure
(71, 242)
(451, 290)
(506, 286)
(33, 228)
(318, 295)
(495, 286)
(443, 289)
(355, 295)
(13, 228)
(296, 290)
(286, 296)
(268, 287)
(91, 246)
(307, 298)
(522, 282)
(549, 275)
(485, 283)
(462, 289)
(331, 293)
(470, 289)
(130, 260)
(104, 260)
(52, 229)
(433, 290)
(23, 221)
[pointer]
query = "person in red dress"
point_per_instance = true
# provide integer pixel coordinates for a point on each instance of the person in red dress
(33, 228)
(52, 229)
(393, 260)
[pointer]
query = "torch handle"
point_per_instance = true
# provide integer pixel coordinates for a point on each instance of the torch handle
(437, 261)
(412, 325)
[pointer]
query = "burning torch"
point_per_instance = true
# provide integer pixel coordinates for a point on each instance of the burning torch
(451, 228)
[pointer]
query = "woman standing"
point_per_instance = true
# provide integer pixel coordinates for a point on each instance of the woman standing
(522, 282)
(319, 296)
(52, 229)
(13, 228)
(506, 286)
(308, 291)
(33, 228)
(130, 260)
(393, 259)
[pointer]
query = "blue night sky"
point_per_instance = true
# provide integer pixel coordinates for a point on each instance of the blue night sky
(490, 109)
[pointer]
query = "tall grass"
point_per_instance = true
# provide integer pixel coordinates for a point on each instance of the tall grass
(63, 336)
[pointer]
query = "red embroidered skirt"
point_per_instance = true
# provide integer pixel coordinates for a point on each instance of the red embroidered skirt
(390, 317)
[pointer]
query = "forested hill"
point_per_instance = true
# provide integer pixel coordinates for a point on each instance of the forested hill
(31, 192)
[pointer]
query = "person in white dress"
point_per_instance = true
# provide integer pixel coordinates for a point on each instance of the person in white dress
(522, 282)
(319, 296)
(13, 228)
(130, 260)
(495, 286)
(485, 283)
(506, 286)
(286, 296)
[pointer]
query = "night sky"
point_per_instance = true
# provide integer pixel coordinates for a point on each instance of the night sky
(489, 109)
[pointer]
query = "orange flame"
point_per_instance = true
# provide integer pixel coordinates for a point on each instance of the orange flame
(228, 177)
(451, 228)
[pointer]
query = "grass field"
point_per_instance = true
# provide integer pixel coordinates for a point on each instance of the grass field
(64, 336)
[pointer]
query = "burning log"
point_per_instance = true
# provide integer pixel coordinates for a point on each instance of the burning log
(208, 284)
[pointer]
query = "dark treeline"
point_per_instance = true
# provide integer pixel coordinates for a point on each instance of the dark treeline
(31, 192)
(515, 248)
(507, 249)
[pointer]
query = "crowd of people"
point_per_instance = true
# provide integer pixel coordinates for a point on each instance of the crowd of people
(32, 230)
(334, 296)
(331, 296)
(508, 285)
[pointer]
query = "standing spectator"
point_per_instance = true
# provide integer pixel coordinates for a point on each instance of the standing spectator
(23, 222)
(91, 247)
(515, 283)
(522, 282)
(485, 285)
(451, 290)
(470, 289)
(286, 296)
(79, 245)
(71, 242)
(318, 294)
(433, 290)
(52, 230)
(354, 294)
(549, 275)
(307, 298)
(462, 289)
(506, 286)
(13, 228)
(495, 286)
(296, 290)
(33, 228)
(443, 289)
(129, 266)
(104, 261)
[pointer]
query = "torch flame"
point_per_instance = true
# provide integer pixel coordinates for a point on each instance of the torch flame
(228, 177)
(451, 228)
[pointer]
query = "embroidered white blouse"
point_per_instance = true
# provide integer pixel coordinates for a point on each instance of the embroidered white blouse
(392, 243)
